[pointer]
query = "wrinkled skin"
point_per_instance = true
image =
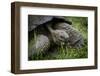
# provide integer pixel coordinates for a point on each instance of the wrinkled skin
(59, 36)
(75, 38)
(40, 45)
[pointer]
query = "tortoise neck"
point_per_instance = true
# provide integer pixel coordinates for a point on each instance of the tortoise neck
(50, 28)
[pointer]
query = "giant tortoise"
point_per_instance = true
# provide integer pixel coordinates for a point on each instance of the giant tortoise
(50, 30)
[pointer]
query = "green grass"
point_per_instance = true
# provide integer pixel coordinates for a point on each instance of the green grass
(62, 53)
(67, 52)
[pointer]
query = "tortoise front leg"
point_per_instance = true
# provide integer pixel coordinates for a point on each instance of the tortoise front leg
(39, 45)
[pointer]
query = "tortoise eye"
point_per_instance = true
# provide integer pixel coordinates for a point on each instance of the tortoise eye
(62, 36)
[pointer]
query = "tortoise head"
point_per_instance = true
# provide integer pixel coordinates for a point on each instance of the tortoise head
(59, 36)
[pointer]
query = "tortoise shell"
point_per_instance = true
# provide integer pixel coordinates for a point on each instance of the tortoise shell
(36, 20)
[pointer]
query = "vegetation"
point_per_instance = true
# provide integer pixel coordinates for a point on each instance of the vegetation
(67, 52)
